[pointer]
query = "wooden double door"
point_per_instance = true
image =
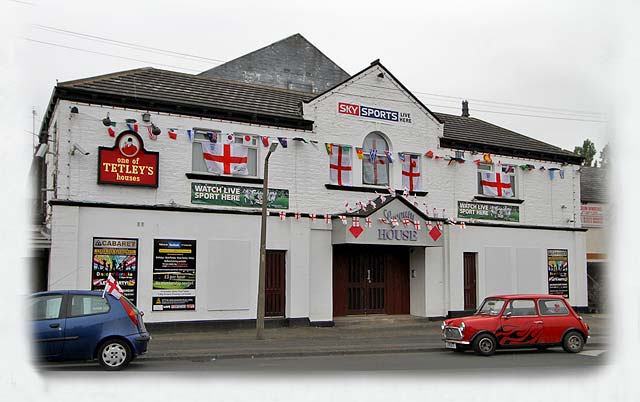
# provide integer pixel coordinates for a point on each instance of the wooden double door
(370, 280)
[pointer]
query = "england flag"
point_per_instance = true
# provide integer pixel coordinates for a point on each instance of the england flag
(112, 287)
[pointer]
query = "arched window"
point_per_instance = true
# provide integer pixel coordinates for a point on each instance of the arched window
(375, 168)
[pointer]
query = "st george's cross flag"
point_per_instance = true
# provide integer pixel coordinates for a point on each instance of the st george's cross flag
(225, 158)
(111, 286)
(496, 184)
(340, 167)
(410, 172)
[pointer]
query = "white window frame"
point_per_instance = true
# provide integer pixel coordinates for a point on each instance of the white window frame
(200, 137)
(490, 167)
(379, 155)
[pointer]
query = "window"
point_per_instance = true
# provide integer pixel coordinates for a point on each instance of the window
(491, 307)
(411, 172)
(46, 307)
(201, 138)
(340, 165)
(87, 305)
(497, 180)
(375, 170)
(552, 307)
(519, 308)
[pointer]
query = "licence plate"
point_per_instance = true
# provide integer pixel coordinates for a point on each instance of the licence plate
(449, 345)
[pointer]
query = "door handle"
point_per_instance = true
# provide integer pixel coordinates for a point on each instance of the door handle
(369, 275)
(56, 325)
(537, 322)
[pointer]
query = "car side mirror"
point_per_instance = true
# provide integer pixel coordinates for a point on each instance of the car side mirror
(141, 313)
(507, 314)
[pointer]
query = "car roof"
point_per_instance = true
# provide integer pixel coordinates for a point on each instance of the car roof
(526, 296)
(71, 292)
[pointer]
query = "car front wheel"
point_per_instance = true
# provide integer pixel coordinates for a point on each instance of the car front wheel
(114, 355)
(573, 342)
(484, 345)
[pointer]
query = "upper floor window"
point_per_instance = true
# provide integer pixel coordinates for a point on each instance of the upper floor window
(375, 167)
(497, 180)
(340, 165)
(411, 168)
(225, 154)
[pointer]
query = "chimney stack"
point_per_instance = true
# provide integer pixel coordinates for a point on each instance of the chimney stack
(465, 108)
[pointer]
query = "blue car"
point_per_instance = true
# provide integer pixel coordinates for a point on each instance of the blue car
(83, 325)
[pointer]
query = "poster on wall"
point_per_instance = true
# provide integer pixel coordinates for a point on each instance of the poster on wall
(118, 257)
(237, 196)
(558, 272)
(174, 275)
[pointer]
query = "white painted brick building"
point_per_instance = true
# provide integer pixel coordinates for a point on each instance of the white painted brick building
(320, 270)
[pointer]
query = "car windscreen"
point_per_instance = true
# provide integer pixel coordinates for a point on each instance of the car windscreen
(491, 307)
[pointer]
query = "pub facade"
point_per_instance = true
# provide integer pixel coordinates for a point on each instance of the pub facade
(376, 204)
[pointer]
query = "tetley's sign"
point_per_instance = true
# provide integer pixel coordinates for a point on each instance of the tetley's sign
(373, 113)
(127, 162)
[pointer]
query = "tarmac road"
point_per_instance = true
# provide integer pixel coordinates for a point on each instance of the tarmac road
(528, 362)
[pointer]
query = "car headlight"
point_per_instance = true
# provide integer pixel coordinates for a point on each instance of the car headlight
(462, 326)
(442, 326)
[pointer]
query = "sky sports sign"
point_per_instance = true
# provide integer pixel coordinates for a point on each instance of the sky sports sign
(373, 113)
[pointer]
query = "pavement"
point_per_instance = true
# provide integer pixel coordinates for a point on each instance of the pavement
(350, 335)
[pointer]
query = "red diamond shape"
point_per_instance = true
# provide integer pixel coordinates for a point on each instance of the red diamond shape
(356, 231)
(435, 233)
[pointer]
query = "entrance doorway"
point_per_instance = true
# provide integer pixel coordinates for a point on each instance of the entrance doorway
(470, 293)
(370, 280)
(274, 284)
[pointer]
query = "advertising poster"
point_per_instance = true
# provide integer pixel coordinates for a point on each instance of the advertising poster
(174, 275)
(494, 212)
(237, 196)
(558, 272)
(120, 258)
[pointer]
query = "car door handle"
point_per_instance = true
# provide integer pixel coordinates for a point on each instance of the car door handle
(537, 322)
(56, 325)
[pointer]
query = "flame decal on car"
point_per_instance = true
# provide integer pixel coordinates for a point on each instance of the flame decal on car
(510, 334)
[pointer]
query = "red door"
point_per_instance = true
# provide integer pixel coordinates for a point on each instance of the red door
(520, 324)
(555, 319)
(370, 280)
(469, 263)
(274, 281)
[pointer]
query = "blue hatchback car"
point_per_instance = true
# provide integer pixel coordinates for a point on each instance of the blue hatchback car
(82, 325)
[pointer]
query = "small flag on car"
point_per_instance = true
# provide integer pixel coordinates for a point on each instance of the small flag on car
(112, 287)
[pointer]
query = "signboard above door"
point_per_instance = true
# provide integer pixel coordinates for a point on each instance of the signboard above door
(383, 232)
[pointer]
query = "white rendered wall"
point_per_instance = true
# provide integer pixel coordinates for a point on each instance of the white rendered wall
(227, 258)
(417, 285)
(320, 274)
(436, 284)
(514, 261)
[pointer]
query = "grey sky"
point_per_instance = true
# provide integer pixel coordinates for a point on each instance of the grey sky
(540, 53)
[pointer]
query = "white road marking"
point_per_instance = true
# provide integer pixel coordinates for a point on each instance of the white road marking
(593, 353)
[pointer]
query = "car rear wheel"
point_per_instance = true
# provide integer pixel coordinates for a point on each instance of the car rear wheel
(114, 355)
(484, 345)
(573, 342)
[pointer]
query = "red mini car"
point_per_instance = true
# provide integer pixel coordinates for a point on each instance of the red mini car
(517, 321)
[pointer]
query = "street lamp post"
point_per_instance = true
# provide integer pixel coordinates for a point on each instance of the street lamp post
(263, 244)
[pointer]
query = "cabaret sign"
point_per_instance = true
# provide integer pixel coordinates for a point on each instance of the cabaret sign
(127, 162)
(373, 113)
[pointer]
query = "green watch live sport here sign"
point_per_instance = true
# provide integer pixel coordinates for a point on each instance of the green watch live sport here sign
(237, 196)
